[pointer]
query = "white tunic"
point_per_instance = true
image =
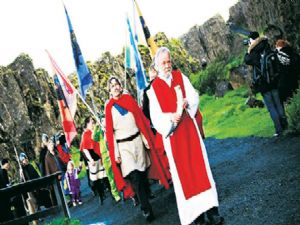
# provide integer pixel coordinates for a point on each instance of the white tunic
(188, 209)
(132, 153)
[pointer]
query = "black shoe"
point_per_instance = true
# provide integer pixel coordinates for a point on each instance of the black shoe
(216, 220)
(151, 196)
(200, 220)
(148, 215)
(135, 201)
(101, 201)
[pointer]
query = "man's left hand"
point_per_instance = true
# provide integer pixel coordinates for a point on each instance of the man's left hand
(185, 104)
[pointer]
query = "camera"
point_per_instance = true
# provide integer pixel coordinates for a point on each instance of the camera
(246, 41)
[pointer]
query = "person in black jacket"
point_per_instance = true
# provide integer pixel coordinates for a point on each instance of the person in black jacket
(42, 196)
(5, 212)
(289, 70)
(145, 106)
(269, 90)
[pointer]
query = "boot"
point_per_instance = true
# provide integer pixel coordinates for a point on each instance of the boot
(214, 217)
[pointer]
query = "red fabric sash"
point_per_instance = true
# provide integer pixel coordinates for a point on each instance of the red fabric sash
(156, 170)
(185, 142)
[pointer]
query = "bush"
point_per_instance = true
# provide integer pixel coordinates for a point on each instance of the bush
(205, 81)
(293, 113)
(64, 221)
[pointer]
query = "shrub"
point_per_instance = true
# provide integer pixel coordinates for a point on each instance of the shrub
(64, 221)
(205, 81)
(293, 113)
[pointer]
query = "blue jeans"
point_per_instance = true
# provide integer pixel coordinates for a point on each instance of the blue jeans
(275, 108)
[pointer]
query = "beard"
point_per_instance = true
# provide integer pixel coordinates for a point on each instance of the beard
(165, 73)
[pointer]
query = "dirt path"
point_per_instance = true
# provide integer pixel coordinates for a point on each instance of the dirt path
(258, 182)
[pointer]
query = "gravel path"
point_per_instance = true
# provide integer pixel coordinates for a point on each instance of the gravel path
(258, 182)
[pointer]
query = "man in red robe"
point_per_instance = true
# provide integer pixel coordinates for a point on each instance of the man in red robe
(127, 131)
(173, 107)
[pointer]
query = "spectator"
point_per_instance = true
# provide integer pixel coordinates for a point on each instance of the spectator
(288, 70)
(259, 46)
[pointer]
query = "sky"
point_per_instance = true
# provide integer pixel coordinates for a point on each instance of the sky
(31, 26)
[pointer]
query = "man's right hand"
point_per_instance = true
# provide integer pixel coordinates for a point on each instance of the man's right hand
(118, 160)
(92, 162)
(175, 118)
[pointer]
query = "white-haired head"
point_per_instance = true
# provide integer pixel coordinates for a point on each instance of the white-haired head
(158, 53)
(162, 69)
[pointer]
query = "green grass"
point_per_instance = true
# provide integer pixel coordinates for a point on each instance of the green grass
(231, 117)
(64, 221)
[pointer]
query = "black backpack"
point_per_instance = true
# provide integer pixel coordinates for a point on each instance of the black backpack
(269, 66)
(268, 71)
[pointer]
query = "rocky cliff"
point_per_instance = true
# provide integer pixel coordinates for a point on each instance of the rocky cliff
(27, 107)
(210, 40)
(275, 19)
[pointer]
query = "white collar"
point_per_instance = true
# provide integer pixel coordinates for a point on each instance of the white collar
(168, 79)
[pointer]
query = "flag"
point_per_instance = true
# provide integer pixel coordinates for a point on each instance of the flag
(68, 89)
(150, 41)
(66, 117)
(67, 102)
(84, 76)
(139, 71)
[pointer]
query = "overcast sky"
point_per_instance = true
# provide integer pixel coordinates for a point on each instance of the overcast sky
(31, 26)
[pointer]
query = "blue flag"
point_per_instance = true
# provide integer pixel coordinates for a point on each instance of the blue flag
(140, 72)
(84, 76)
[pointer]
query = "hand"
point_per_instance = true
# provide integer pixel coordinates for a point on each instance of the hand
(146, 145)
(175, 118)
(92, 162)
(185, 104)
(118, 160)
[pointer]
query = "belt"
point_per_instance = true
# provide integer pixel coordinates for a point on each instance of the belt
(130, 138)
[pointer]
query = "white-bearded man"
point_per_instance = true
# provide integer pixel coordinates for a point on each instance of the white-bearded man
(173, 107)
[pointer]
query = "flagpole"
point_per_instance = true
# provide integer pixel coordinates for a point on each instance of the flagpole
(125, 57)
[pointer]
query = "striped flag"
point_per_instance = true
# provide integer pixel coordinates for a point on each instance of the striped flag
(67, 102)
(84, 76)
(67, 87)
(139, 70)
(150, 41)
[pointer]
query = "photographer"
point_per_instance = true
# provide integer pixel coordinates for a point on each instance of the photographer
(265, 81)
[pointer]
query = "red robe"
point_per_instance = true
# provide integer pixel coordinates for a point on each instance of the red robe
(185, 142)
(156, 170)
(88, 143)
(65, 157)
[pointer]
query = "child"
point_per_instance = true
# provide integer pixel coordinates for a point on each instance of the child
(72, 182)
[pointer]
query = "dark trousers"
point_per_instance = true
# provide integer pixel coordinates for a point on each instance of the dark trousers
(99, 188)
(140, 186)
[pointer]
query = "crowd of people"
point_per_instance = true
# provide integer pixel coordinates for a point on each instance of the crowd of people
(161, 140)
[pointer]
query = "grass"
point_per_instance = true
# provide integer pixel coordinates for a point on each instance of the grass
(230, 117)
(64, 221)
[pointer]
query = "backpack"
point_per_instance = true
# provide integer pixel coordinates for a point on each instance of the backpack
(267, 72)
(269, 65)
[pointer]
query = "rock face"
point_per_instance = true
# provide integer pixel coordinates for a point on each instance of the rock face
(270, 17)
(26, 107)
(275, 19)
(209, 41)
